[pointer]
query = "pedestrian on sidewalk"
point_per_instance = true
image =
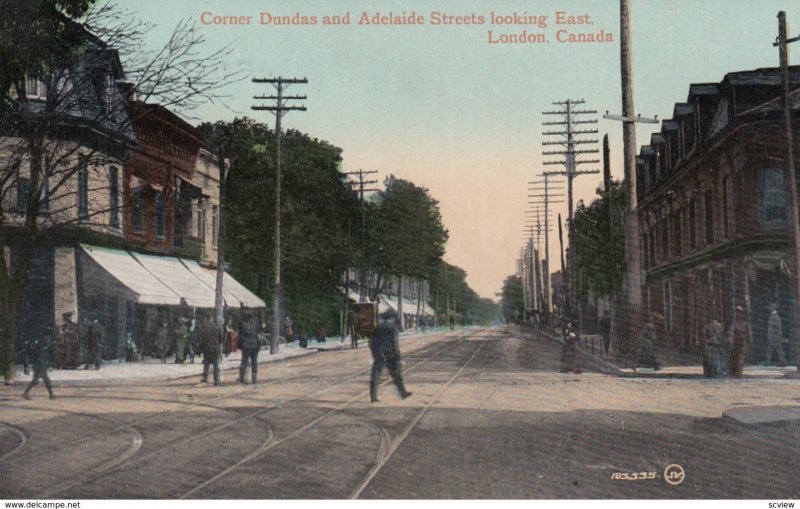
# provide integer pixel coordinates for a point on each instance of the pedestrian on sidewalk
(162, 342)
(93, 345)
(209, 335)
(181, 339)
(740, 343)
(39, 356)
(775, 338)
(385, 349)
(569, 351)
(713, 353)
(646, 356)
(68, 352)
(249, 344)
(605, 332)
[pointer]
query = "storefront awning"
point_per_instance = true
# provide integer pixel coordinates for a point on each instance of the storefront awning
(164, 280)
(233, 293)
(173, 274)
(126, 270)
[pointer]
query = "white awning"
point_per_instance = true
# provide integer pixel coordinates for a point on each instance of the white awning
(163, 280)
(176, 276)
(233, 292)
(131, 274)
(409, 305)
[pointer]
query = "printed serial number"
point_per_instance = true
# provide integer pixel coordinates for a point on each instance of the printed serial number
(633, 476)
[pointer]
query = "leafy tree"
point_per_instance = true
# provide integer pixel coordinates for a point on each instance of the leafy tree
(319, 212)
(409, 233)
(512, 300)
(599, 241)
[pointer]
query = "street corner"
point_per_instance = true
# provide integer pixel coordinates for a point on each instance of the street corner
(748, 417)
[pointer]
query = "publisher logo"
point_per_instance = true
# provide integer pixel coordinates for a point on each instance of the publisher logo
(674, 474)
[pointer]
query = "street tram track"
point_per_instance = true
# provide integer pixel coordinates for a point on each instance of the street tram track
(314, 422)
(395, 444)
(20, 433)
(258, 415)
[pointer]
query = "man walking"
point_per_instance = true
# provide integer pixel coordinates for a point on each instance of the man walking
(208, 335)
(38, 353)
(249, 344)
(386, 351)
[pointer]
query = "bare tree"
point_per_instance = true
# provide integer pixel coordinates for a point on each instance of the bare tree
(67, 132)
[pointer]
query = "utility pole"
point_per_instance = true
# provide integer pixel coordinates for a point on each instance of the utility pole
(279, 110)
(570, 138)
(632, 284)
(361, 183)
(218, 301)
(782, 44)
(544, 197)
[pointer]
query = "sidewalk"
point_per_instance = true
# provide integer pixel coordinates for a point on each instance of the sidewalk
(151, 369)
(673, 364)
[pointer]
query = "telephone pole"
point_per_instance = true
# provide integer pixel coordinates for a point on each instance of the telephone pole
(571, 136)
(279, 110)
(544, 196)
(782, 44)
(361, 183)
(632, 284)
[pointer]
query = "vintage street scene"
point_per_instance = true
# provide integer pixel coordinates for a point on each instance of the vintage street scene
(541, 249)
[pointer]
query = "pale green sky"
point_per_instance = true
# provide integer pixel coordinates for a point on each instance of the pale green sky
(442, 107)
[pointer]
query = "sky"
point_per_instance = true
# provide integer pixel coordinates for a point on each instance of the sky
(445, 107)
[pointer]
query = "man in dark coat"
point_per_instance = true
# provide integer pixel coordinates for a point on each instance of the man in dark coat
(69, 349)
(249, 345)
(93, 342)
(209, 336)
(38, 354)
(386, 351)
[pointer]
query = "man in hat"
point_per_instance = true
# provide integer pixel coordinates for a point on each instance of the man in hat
(69, 346)
(386, 351)
(208, 334)
(93, 343)
(250, 344)
(38, 354)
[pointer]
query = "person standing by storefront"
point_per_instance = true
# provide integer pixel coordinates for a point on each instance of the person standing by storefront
(774, 337)
(208, 335)
(93, 345)
(249, 344)
(69, 346)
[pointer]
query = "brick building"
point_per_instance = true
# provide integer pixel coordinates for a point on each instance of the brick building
(127, 202)
(713, 210)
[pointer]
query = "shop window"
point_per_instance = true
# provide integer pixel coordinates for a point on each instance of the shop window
(709, 215)
(159, 214)
(773, 208)
(113, 187)
(137, 210)
(83, 188)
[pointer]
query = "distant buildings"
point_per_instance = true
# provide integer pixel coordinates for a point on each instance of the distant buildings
(713, 208)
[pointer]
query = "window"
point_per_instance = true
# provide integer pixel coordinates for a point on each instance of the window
(159, 214)
(113, 191)
(773, 210)
(214, 225)
(677, 245)
(44, 187)
(23, 190)
(110, 94)
(665, 239)
(725, 207)
(692, 225)
(668, 305)
(83, 188)
(201, 224)
(34, 88)
(137, 209)
(709, 211)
